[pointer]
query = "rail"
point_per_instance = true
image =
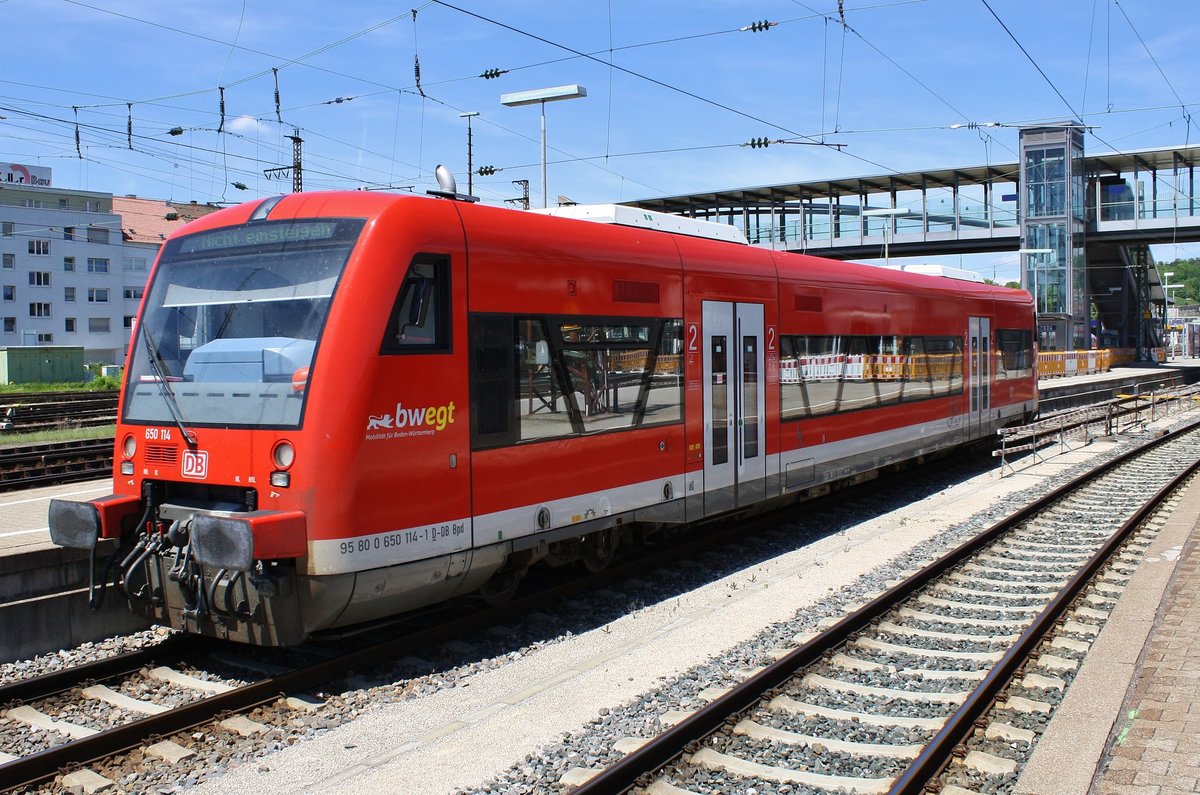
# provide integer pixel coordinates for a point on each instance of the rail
(55, 462)
(1137, 408)
(34, 411)
(432, 629)
(636, 767)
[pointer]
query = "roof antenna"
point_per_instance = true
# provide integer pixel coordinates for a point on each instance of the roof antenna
(447, 187)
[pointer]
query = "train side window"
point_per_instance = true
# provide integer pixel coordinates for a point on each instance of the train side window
(608, 367)
(537, 378)
(420, 317)
(860, 390)
(541, 399)
(810, 375)
(918, 370)
(827, 374)
(664, 400)
(1014, 353)
(945, 361)
(493, 377)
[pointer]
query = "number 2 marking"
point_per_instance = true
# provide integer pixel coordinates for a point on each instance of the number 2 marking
(693, 337)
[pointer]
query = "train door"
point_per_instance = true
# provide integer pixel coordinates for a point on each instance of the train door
(979, 375)
(734, 405)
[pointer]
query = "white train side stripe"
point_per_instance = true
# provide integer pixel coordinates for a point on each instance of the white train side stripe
(405, 545)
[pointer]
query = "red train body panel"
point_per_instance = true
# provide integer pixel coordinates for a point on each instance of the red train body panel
(340, 406)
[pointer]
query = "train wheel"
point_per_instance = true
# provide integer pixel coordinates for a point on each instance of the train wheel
(501, 587)
(597, 551)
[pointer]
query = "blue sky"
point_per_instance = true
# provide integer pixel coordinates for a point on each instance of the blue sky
(673, 88)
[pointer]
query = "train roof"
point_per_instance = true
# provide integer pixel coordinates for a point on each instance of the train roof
(787, 266)
(622, 215)
(929, 269)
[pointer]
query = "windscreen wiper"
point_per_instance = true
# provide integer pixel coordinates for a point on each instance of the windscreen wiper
(164, 388)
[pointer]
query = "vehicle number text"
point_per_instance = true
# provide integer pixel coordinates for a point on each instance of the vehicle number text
(404, 537)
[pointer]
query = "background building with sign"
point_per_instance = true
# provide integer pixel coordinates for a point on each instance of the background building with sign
(73, 263)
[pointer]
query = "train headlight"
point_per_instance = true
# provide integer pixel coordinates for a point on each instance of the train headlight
(128, 446)
(283, 455)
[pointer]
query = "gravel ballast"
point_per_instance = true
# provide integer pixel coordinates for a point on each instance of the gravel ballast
(574, 698)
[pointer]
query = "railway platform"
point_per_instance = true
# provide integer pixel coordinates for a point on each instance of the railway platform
(43, 587)
(1068, 392)
(1130, 723)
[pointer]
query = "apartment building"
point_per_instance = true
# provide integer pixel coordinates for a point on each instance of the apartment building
(73, 264)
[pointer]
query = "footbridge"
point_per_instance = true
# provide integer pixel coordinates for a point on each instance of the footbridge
(1083, 225)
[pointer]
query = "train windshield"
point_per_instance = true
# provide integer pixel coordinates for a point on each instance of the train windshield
(231, 323)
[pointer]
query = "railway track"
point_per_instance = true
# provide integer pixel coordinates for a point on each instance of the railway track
(68, 696)
(256, 686)
(942, 681)
(25, 466)
(39, 411)
(70, 720)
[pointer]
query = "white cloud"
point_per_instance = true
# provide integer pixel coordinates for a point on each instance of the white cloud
(248, 125)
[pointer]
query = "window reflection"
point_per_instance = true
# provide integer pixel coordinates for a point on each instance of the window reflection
(587, 377)
(828, 374)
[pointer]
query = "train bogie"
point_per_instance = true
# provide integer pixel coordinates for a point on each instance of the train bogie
(343, 406)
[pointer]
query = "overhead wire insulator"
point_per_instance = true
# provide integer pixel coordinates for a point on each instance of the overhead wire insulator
(759, 27)
(492, 74)
(758, 143)
(417, 74)
(487, 171)
(278, 118)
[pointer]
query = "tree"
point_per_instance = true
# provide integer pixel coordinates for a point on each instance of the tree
(1185, 272)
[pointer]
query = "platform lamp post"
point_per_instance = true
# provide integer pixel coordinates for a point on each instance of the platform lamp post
(1168, 287)
(890, 213)
(540, 96)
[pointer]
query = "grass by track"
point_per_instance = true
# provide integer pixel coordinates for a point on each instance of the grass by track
(60, 435)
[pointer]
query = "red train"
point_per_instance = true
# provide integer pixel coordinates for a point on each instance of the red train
(339, 406)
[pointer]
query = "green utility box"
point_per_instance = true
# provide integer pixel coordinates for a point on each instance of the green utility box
(41, 364)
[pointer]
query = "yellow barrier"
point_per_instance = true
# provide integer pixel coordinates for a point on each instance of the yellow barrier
(1053, 363)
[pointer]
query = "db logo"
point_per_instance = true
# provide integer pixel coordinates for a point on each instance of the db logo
(195, 464)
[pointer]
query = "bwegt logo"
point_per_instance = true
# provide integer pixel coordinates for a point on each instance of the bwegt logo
(434, 418)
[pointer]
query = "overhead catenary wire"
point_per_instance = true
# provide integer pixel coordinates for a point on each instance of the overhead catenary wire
(274, 70)
(1150, 54)
(655, 81)
(1031, 60)
(277, 111)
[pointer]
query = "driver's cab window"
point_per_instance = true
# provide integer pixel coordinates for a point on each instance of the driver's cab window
(420, 318)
